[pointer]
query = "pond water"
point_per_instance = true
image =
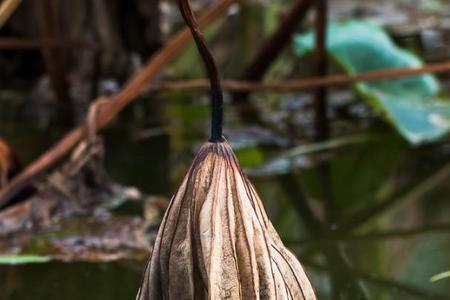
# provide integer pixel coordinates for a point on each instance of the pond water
(384, 242)
(119, 280)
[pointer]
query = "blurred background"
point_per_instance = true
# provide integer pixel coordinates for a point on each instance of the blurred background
(346, 145)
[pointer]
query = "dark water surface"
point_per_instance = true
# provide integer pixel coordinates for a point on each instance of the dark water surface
(71, 281)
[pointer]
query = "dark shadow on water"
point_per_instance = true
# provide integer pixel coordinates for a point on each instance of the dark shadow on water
(69, 281)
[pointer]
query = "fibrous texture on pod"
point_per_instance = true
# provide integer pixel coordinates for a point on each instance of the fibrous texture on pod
(216, 241)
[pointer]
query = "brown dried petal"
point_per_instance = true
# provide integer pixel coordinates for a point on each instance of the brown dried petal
(216, 241)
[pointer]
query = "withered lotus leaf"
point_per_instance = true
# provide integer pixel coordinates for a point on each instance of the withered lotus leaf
(216, 241)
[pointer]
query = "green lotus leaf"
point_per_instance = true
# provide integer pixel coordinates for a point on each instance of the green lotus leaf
(413, 104)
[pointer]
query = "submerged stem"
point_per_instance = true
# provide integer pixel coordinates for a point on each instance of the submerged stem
(211, 69)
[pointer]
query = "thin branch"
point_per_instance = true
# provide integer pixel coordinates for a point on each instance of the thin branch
(321, 59)
(321, 122)
(133, 88)
(289, 86)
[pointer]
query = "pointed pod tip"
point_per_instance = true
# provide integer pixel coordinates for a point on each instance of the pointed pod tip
(220, 149)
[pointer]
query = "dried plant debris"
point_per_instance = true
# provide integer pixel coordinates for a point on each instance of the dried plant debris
(75, 214)
(216, 241)
(83, 239)
(79, 187)
(99, 240)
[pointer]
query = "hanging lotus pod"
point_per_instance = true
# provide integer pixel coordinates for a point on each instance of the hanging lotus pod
(216, 241)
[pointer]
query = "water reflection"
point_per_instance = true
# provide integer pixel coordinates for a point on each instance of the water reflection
(52, 281)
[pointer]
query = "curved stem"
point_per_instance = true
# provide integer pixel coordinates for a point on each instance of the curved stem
(211, 69)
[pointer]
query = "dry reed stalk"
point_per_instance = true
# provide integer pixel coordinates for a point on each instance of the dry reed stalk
(7, 8)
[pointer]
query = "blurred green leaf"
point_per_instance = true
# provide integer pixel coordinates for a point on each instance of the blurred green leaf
(412, 104)
(440, 276)
(250, 156)
(22, 259)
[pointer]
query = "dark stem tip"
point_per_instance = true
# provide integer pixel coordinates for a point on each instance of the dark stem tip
(211, 68)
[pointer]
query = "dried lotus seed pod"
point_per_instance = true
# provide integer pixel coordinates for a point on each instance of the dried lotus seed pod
(216, 241)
